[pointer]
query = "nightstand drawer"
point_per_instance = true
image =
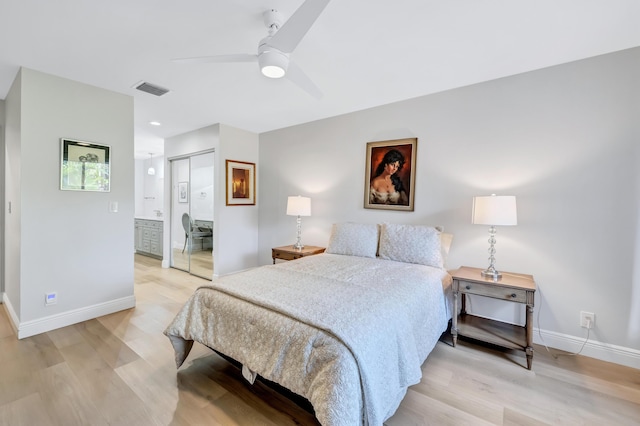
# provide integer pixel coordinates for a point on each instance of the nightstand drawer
(285, 255)
(493, 290)
(292, 253)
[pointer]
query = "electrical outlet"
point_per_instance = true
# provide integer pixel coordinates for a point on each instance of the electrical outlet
(51, 298)
(587, 319)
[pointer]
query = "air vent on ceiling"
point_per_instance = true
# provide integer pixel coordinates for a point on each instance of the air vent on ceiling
(151, 88)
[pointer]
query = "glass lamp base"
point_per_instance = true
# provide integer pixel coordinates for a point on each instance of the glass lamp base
(491, 273)
(298, 245)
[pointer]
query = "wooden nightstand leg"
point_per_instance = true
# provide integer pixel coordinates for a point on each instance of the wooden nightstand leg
(454, 319)
(529, 330)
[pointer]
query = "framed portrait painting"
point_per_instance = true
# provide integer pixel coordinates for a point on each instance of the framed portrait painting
(241, 183)
(390, 172)
(84, 166)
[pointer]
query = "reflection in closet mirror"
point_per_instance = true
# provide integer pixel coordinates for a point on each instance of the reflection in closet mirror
(192, 205)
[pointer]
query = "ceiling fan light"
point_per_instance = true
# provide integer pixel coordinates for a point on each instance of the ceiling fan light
(273, 71)
(273, 64)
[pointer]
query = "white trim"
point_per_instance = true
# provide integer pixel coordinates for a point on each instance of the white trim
(8, 308)
(592, 348)
(52, 322)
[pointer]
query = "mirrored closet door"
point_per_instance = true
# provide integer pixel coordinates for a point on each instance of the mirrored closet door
(192, 207)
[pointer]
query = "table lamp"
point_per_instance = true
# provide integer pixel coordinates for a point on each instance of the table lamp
(494, 211)
(298, 206)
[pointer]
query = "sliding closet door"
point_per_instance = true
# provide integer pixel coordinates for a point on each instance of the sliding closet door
(201, 205)
(192, 214)
(179, 207)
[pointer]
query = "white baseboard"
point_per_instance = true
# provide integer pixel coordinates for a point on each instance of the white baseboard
(52, 322)
(592, 348)
(8, 308)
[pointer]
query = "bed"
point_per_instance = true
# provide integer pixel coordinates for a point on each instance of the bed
(348, 329)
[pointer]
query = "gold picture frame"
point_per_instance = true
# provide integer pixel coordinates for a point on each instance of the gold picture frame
(240, 183)
(390, 174)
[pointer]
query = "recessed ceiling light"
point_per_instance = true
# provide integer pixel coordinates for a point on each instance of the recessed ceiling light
(154, 123)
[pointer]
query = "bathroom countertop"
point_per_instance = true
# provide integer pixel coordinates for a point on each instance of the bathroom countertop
(159, 219)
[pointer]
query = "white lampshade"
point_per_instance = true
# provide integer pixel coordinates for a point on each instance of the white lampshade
(494, 210)
(299, 206)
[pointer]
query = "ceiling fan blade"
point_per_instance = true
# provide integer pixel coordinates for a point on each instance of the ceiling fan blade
(243, 57)
(294, 29)
(299, 78)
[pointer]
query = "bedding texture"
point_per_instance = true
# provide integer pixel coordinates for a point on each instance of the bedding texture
(348, 333)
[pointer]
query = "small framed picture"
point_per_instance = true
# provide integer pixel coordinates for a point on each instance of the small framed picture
(241, 183)
(390, 174)
(183, 192)
(84, 166)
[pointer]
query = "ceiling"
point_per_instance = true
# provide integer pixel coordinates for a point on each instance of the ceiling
(360, 53)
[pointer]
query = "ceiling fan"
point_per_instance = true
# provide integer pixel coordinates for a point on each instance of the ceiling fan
(274, 49)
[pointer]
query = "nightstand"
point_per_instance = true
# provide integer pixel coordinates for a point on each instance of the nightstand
(512, 287)
(290, 253)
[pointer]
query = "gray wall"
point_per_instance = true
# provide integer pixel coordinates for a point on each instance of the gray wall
(564, 140)
(236, 226)
(2, 161)
(13, 196)
(66, 241)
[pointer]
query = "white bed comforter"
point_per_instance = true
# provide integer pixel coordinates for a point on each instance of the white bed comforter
(348, 333)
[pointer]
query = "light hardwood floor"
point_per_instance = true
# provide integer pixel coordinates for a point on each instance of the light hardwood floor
(119, 370)
(200, 262)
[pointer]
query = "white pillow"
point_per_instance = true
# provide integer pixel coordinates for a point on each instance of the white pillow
(353, 239)
(411, 244)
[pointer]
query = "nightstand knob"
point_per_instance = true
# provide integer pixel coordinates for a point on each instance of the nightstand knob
(468, 287)
(513, 295)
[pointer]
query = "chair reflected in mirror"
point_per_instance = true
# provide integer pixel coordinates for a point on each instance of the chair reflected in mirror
(192, 233)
